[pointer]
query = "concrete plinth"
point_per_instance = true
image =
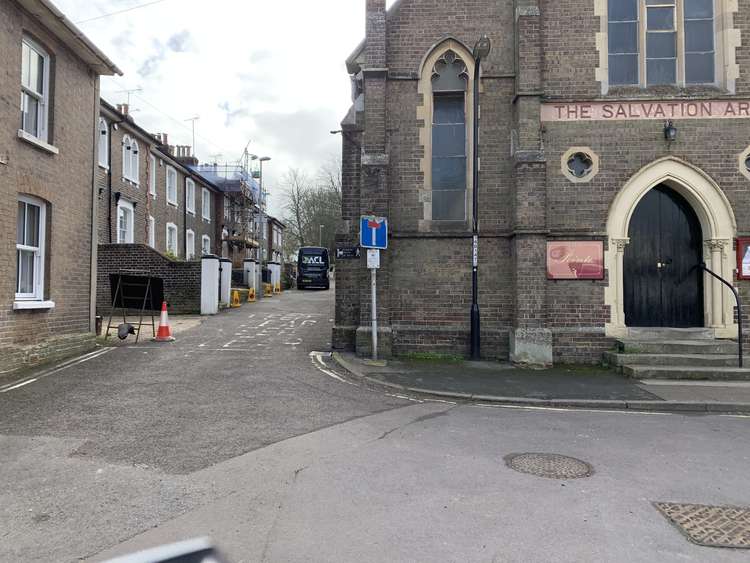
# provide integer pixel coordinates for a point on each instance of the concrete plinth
(531, 347)
(385, 342)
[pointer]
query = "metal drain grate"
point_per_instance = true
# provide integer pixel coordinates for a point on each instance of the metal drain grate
(710, 526)
(551, 466)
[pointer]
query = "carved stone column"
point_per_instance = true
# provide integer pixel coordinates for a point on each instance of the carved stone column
(618, 245)
(716, 247)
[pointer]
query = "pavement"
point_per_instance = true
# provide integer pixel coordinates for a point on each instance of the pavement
(584, 387)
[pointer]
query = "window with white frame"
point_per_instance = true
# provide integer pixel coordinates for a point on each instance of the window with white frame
(661, 42)
(135, 168)
(172, 239)
(151, 231)
(152, 176)
(103, 148)
(130, 163)
(206, 204)
(190, 242)
(35, 67)
(206, 244)
(190, 196)
(30, 238)
(171, 186)
(125, 222)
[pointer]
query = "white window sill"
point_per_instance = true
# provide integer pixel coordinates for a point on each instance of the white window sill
(104, 167)
(191, 213)
(29, 138)
(206, 220)
(29, 305)
(172, 204)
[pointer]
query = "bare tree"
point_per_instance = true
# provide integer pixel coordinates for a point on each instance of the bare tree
(297, 194)
(313, 208)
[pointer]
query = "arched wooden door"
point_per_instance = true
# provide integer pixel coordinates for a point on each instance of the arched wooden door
(662, 284)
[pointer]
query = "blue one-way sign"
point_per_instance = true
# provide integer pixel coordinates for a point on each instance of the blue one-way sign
(373, 232)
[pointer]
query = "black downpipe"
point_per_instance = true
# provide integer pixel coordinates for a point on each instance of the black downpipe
(184, 218)
(110, 128)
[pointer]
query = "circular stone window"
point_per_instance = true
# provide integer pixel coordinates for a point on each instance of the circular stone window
(579, 164)
(744, 163)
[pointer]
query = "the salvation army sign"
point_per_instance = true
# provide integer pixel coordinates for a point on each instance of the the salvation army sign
(648, 109)
(575, 260)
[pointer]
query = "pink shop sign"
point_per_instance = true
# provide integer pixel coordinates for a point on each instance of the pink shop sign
(575, 260)
(625, 111)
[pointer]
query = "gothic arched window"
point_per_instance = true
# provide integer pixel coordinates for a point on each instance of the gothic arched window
(450, 80)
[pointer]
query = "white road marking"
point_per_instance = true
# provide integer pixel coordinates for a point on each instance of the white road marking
(61, 367)
(571, 409)
(19, 385)
(228, 344)
(318, 363)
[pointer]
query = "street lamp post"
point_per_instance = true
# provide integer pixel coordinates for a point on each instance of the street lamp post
(320, 238)
(481, 51)
(261, 227)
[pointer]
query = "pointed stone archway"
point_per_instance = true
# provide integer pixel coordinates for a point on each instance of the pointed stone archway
(719, 230)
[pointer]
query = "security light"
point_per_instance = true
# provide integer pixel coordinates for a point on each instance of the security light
(670, 131)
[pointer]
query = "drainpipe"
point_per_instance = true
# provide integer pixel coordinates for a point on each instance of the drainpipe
(110, 128)
(184, 218)
(94, 206)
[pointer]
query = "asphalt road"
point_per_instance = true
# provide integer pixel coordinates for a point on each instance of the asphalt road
(237, 433)
(102, 450)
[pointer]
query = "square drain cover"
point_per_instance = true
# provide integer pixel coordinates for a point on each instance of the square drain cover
(711, 526)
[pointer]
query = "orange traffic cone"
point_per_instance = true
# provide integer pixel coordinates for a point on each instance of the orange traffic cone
(164, 334)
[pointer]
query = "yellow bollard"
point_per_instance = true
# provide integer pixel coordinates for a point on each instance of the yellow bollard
(267, 290)
(251, 295)
(235, 299)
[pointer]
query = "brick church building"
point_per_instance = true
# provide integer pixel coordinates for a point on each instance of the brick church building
(614, 154)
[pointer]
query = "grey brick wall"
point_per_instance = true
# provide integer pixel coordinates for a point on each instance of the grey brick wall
(525, 200)
(182, 280)
(63, 181)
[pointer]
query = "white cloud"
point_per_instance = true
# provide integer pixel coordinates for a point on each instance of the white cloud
(267, 71)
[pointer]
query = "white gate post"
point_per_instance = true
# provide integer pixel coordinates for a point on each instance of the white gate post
(226, 281)
(209, 284)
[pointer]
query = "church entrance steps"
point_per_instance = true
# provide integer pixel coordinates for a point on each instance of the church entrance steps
(687, 373)
(690, 360)
(686, 346)
(690, 357)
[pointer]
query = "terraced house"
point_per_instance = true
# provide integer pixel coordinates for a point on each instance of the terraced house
(614, 164)
(49, 106)
(156, 214)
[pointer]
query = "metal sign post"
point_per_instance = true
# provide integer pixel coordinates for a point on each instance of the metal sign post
(373, 235)
(373, 263)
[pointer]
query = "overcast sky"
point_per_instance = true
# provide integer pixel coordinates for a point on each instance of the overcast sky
(268, 71)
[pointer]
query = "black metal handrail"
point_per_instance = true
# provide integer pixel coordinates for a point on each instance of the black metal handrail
(739, 306)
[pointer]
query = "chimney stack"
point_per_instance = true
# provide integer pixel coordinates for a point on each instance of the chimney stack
(124, 109)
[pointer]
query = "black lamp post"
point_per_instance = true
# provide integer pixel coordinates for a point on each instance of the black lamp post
(481, 51)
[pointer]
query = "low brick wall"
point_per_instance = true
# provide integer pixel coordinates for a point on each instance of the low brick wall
(49, 350)
(182, 280)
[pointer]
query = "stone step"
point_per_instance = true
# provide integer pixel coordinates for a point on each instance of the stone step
(659, 333)
(695, 360)
(686, 372)
(700, 347)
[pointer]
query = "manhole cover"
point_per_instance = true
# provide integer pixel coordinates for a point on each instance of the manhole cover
(711, 526)
(552, 466)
